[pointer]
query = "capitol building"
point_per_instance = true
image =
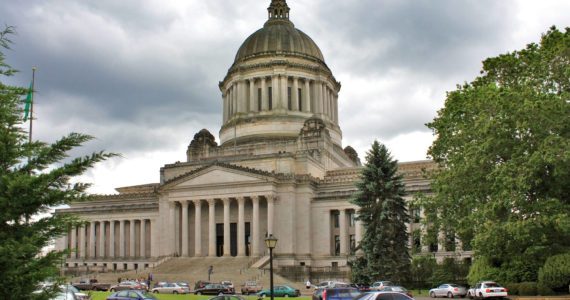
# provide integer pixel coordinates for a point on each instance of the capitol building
(279, 168)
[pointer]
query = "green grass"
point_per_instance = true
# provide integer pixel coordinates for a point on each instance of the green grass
(103, 296)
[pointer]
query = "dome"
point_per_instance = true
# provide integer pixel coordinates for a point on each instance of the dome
(278, 37)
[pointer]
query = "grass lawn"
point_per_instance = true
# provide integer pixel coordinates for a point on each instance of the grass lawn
(103, 296)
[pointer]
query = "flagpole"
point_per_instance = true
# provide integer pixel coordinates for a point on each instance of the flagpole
(32, 103)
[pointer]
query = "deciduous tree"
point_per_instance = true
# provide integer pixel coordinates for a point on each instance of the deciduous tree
(503, 150)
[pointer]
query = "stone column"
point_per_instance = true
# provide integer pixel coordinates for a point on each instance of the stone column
(81, 239)
(255, 227)
(143, 238)
(343, 232)
(270, 209)
(132, 238)
(410, 235)
(92, 245)
(275, 91)
(73, 243)
(252, 102)
(336, 109)
(184, 228)
(171, 226)
(102, 239)
(122, 238)
(307, 94)
(295, 94)
(283, 80)
(234, 99)
(225, 105)
(425, 247)
(212, 228)
(198, 228)
(242, 99)
(153, 237)
(441, 237)
(227, 241)
(358, 234)
(264, 100)
(111, 239)
(318, 86)
(241, 226)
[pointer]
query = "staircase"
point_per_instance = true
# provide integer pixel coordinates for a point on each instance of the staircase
(190, 269)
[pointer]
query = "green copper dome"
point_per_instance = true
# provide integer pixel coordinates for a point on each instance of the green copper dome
(278, 36)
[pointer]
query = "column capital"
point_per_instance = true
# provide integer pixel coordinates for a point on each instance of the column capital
(240, 200)
(184, 203)
(197, 203)
(254, 199)
(226, 201)
(211, 202)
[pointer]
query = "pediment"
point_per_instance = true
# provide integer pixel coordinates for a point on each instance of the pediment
(219, 176)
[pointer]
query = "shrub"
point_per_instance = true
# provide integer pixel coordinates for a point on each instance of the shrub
(543, 290)
(513, 288)
(527, 289)
(555, 273)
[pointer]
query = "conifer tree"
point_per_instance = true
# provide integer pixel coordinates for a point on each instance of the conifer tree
(34, 177)
(384, 215)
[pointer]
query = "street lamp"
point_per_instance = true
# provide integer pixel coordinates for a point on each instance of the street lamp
(271, 242)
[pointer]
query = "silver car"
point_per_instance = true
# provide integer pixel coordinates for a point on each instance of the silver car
(449, 290)
(171, 288)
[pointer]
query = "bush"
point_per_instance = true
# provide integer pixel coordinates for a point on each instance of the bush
(555, 273)
(543, 290)
(527, 289)
(513, 288)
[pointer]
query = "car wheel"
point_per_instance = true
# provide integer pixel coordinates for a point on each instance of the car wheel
(432, 294)
(286, 295)
(175, 292)
(113, 290)
(449, 295)
(156, 291)
(198, 293)
(220, 293)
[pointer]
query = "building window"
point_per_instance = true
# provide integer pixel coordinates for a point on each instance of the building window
(351, 219)
(289, 102)
(336, 221)
(336, 245)
(259, 99)
(270, 96)
(352, 244)
(299, 96)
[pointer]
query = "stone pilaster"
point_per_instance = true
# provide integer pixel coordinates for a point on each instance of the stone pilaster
(343, 232)
(143, 238)
(184, 228)
(212, 228)
(102, 239)
(198, 228)
(241, 226)
(255, 227)
(227, 241)
(132, 241)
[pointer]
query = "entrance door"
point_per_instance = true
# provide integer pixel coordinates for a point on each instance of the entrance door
(233, 239)
(219, 239)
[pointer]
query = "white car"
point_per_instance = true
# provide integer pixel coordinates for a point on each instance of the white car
(448, 290)
(487, 289)
(379, 285)
(170, 288)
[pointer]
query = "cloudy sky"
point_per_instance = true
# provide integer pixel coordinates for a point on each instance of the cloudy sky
(142, 75)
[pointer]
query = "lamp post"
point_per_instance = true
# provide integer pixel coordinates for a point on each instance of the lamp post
(271, 242)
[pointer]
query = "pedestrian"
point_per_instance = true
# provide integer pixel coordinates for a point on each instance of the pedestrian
(119, 280)
(308, 284)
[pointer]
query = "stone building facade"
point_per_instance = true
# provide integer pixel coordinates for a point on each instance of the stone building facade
(279, 169)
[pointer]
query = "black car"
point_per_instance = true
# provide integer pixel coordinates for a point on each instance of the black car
(214, 289)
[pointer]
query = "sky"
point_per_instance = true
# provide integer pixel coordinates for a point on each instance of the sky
(142, 75)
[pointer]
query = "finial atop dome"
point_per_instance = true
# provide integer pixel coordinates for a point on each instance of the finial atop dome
(278, 9)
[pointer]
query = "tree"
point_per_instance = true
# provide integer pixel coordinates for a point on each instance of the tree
(33, 179)
(384, 215)
(503, 150)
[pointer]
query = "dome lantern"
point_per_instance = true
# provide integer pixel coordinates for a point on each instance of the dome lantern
(278, 9)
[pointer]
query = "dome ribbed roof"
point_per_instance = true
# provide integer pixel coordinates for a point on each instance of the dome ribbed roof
(278, 36)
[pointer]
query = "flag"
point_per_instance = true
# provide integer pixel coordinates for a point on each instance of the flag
(29, 98)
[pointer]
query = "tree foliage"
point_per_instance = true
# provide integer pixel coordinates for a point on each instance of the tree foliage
(33, 179)
(384, 215)
(555, 273)
(503, 150)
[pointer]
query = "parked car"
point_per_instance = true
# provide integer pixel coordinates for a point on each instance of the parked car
(128, 285)
(227, 283)
(65, 296)
(383, 295)
(250, 287)
(487, 289)
(214, 289)
(361, 287)
(200, 284)
(448, 290)
(171, 288)
(131, 295)
(76, 291)
(331, 284)
(228, 297)
(397, 289)
(280, 291)
(343, 293)
(184, 284)
(378, 285)
(91, 285)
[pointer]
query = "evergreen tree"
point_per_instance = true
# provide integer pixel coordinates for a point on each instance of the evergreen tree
(33, 179)
(384, 216)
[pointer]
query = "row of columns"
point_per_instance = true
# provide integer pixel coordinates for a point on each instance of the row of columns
(316, 96)
(345, 229)
(99, 244)
(241, 244)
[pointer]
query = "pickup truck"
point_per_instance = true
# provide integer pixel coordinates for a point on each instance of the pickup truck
(250, 287)
(91, 285)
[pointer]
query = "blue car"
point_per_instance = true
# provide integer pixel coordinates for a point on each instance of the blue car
(131, 295)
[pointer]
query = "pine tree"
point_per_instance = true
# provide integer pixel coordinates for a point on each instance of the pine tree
(34, 177)
(384, 216)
